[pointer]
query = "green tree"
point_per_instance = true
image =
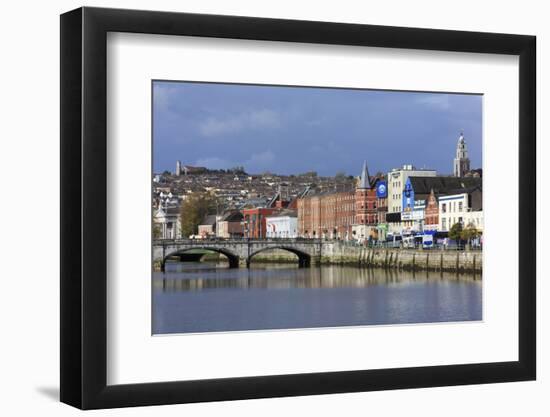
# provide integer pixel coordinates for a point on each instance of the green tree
(157, 232)
(193, 210)
(340, 176)
(469, 232)
(456, 232)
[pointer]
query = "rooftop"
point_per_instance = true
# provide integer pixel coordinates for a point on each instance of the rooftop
(444, 185)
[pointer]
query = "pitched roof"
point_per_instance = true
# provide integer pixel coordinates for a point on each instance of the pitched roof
(209, 220)
(173, 210)
(444, 185)
(285, 213)
(232, 216)
(365, 179)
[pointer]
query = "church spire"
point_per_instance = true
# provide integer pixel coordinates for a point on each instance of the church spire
(461, 163)
(365, 179)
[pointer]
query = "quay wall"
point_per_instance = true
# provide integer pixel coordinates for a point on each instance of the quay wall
(407, 259)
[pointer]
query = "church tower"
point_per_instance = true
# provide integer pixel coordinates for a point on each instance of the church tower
(461, 161)
(365, 197)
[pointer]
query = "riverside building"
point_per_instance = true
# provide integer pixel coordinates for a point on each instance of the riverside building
(282, 225)
(366, 214)
(464, 207)
(397, 179)
(342, 215)
(326, 215)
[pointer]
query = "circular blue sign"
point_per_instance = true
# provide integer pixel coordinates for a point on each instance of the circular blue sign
(381, 190)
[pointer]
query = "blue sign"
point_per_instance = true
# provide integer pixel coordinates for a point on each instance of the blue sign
(408, 196)
(382, 189)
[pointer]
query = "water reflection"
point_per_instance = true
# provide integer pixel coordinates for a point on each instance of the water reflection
(198, 277)
(202, 297)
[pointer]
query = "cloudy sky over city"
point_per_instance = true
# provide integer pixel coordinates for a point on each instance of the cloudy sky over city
(291, 130)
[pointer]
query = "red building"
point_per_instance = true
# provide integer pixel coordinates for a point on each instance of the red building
(254, 219)
(329, 215)
(340, 215)
(365, 200)
(431, 212)
(366, 212)
(254, 225)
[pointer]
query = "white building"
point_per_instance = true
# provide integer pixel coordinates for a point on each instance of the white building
(396, 182)
(457, 209)
(475, 218)
(397, 178)
(284, 225)
(166, 223)
(413, 220)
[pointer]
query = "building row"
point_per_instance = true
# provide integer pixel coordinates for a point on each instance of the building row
(405, 201)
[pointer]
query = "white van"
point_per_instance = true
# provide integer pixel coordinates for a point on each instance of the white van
(427, 241)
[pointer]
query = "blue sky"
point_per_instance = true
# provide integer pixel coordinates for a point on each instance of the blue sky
(290, 130)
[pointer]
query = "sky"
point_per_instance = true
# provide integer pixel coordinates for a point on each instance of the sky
(291, 130)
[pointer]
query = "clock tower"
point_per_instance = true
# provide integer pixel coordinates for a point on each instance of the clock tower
(461, 161)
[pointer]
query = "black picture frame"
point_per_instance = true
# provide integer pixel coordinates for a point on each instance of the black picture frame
(84, 207)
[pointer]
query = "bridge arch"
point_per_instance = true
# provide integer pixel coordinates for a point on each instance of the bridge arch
(231, 257)
(304, 258)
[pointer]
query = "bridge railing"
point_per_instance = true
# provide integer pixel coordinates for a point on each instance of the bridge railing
(279, 241)
(233, 240)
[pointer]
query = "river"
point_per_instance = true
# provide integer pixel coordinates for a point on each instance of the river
(209, 297)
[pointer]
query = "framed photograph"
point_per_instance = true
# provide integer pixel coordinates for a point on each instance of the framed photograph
(257, 208)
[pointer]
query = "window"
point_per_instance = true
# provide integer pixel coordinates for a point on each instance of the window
(444, 224)
(444, 208)
(460, 206)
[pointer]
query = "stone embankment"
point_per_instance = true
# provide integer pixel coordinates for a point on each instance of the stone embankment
(431, 260)
(339, 253)
(405, 259)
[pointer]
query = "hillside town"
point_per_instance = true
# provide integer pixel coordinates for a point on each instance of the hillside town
(404, 206)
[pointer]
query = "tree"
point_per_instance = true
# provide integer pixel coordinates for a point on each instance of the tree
(340, 176)
(456, 232)
(237, 170)
(193, 210)
(157, 232)
(469, 232)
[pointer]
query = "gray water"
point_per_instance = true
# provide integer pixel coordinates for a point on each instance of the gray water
(209, 297)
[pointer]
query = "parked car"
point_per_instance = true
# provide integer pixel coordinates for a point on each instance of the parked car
(394, 241)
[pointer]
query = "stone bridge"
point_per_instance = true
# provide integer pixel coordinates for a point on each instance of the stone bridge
(238, 250)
